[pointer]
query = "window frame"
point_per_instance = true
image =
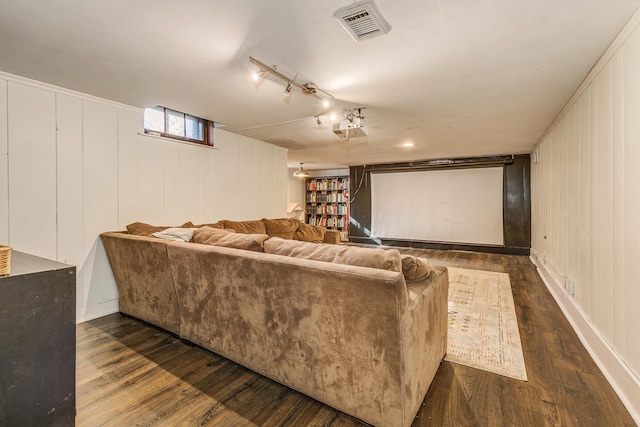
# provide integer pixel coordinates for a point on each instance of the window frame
(207, 128)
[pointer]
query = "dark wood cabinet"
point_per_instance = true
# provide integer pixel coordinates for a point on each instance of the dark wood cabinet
(37, 343)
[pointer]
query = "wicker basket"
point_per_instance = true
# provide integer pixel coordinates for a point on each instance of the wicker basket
(5, 260)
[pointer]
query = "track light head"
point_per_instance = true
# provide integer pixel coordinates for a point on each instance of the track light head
(318, 121)
(257, 75)
(287, 91)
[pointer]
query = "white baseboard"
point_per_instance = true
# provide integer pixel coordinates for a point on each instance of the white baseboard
(93, 312)
(623, 381)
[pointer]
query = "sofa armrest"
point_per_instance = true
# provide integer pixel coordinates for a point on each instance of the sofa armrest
(332, 236)
(140, 266)
(425, 335)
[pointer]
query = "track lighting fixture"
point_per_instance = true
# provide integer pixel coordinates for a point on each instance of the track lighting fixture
(308, 88)
(352, 127)
(301, 173)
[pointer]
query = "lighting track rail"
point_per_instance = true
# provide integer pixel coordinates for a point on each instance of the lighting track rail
(306, 88)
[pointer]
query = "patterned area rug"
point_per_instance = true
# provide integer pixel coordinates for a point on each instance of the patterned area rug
(483, 329)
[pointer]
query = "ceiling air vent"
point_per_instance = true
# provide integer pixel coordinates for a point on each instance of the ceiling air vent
(362, 20)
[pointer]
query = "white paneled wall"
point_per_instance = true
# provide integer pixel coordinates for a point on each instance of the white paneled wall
(296, 188)
(32, 169)
(4, 165)
(586, 213)
(129, 126)
(151, 178)
(73, 166)
(70, 231)
(100, 201)
(630, 186)
(225, 184)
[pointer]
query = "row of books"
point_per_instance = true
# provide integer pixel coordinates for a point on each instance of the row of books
(322, 184)
(338, 209)
(327, 197)
(331, 221)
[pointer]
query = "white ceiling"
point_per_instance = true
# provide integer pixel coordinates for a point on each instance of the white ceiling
(457, 78)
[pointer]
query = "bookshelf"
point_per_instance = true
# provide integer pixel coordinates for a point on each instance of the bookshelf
(328, 203)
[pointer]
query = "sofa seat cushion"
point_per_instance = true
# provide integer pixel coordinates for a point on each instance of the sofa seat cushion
(246, 227)
(229, 239)
(284, 228)
(384, 259)
(310, 233)
(143, 229)
(415, 268)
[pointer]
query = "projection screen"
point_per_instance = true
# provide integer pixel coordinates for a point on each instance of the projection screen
(451, 205)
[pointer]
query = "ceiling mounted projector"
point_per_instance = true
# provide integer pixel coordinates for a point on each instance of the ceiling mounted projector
(353, 126)
(349, 130)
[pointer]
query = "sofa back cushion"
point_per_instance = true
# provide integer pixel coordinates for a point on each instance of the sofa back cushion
(284, 228)
(385, 259)
(229, 239)
(142, 229)
(214, 225)
(310, 233)
(246, 227)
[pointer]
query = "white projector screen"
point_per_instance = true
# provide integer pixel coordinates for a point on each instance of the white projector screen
(450, 205)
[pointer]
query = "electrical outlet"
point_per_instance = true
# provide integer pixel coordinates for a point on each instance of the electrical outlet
(571, 287)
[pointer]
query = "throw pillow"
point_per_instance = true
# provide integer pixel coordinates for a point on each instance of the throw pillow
(385, 259)
(415, 268)
(229, 239)
(310, 233)
(175, 233)
(246, 227)
(281, 227)
(142, 229)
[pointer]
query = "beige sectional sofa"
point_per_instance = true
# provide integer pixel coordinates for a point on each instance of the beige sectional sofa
(344, 325)
(286, 228)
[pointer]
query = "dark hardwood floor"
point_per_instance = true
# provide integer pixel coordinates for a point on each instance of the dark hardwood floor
(132, 374)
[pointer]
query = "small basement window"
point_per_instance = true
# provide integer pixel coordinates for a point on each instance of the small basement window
(177, 125)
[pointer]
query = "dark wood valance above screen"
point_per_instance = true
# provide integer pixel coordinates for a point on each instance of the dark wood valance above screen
(516, 202)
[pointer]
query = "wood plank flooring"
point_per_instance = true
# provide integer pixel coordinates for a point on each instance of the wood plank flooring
(132, 374)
